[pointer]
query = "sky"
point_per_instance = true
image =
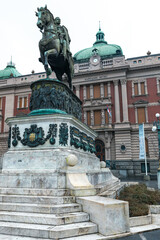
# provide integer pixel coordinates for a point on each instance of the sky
(132, 24)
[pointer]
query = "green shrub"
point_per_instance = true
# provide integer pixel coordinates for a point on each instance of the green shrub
(139, 198)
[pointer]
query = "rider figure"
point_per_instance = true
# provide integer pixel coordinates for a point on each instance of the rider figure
(63, 36)
(65, 43)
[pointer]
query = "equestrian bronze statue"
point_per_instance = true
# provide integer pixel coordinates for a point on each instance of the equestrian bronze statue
(54, 46)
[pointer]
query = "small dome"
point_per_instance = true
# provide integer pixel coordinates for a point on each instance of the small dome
(100, 47)
(9, 71)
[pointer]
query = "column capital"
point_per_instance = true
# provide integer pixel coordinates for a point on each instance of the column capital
(116, 82)
(123, 81)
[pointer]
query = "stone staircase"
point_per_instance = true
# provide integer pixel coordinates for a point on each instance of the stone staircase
(42, 214)
(113, 191)
(110, 189)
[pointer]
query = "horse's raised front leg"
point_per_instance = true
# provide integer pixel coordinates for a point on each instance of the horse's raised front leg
(46, 54)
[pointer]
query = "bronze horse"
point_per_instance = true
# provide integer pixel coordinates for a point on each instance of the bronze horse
(50, 47)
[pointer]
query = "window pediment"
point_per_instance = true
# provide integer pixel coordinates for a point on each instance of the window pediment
(141, 102)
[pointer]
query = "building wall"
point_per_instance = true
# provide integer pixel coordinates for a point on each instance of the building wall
(119, 132)
(122, 131)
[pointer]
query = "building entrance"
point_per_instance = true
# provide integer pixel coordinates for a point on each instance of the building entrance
(100, 149)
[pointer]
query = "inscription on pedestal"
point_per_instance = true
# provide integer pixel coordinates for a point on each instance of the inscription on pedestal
(35, 136)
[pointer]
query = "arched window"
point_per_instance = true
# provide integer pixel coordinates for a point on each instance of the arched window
(100, 149)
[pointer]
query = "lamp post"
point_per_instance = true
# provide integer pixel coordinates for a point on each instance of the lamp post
(156, 126)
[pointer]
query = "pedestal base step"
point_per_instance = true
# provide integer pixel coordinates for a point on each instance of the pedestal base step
(47, 231)
(40, 208)
(46, 219)
(35, 192)
(37, 199)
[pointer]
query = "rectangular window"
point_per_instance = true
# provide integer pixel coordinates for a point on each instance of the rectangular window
(146, 146)
(136, 89)
(106, 117)
(0, 103)
(20, 102)
(142, 88)
(88, 118)
(96, 89)
(105, 90)
(143, 168)
(88, 91)
(97, 117)
(141, 115)
(23, 102)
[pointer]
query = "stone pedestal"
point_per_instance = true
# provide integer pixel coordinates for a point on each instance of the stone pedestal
(42, 143)
(39, 146)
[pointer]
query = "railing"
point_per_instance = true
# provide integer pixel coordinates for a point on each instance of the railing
(83, 66)
(107, 62)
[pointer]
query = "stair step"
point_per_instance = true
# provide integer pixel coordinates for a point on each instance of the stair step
(40, 208)
(105, 187)
(113, 191)
(47, 231)
(37, 199)
(34, 192)
(48, 219)
(10, 237)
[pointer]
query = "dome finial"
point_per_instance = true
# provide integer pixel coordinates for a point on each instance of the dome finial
(100, 35)
(11, 64)
(99, 25)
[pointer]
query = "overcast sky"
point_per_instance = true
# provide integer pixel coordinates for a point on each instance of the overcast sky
(132, 24)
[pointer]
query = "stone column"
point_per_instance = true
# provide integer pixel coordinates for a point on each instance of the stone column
(109, 90)
(91, 91)
(102, 117)
(139, 88)
(84, 92)
(124, 100)
(85, 117)
(92, 118)
(136, 115)
(116, 97)
(107, 146)
(146, 114)
(145, 85)
(102, 90)
(158, 85)
(77, 91)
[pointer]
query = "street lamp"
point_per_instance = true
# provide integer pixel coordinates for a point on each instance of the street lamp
(156, 127)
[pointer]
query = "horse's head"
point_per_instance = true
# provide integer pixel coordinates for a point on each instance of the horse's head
(44, 17)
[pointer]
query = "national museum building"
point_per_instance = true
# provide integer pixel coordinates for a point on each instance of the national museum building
(117, 95)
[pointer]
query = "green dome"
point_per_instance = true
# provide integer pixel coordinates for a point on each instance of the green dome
(9, 71)
(100, 47)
